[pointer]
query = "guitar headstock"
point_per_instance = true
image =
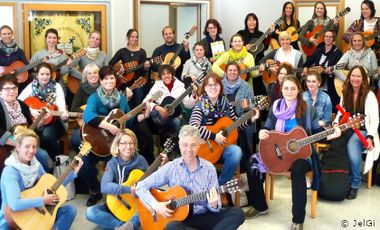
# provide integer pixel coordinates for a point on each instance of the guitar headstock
(169, 145)
(232, 186)
(156, 60)
(79, 53)
(318, 68)
(343, 12)
(271, 63)
(263, 103)
(84, 148)
(191, 32)
(356, 121)
(156, 95)
(339, 66)
(278, 22)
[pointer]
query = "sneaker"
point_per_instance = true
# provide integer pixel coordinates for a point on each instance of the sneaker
(352, 194)
(126, 226)
(94, 198)
(296, 226)
(252, 213)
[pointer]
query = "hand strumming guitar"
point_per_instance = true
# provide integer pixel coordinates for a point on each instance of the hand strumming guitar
(263, 134)
(50, 199)
(162, 209)
(162, 111)
(110, 127)
(220, 139)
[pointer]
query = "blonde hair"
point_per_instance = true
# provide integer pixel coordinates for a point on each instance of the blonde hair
(116, 141)
(21, 132)
(89, 68)
(283, 34)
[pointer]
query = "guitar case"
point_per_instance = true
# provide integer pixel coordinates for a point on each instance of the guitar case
(334, 184)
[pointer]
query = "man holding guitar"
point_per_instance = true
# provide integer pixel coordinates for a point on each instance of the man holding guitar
(195, 175)
(170, 46)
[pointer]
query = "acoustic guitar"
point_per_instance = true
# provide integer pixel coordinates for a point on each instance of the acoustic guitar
(124, 206)
(56, 68)
(43, 217)
(210, 150)
(126, 71)
(19, 69)
(179, 201)
(172, 58)
(280, 150)
(35, 103)
(101, 139)
(171, 104)
(257, 43)
(318, 33)
(293, 37)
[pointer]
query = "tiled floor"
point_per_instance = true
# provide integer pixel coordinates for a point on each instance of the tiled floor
(330, 215)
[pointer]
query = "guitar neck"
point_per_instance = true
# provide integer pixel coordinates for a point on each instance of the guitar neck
(319, 136)
(194, 198)
(131, 114)
(178, 100)
(65, 174)
(250, 69)
(135, 68)
(241, 120)
(33, 126)
(372, 36)
(261, 38)
(30, 66)
(154, 166)
(178, 50)
(71, 114)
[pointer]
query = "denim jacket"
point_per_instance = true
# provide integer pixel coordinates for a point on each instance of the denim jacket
(322, 107)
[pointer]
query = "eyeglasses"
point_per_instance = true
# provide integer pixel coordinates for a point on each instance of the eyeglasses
(212, 86)
(9, 89)
(127, 143)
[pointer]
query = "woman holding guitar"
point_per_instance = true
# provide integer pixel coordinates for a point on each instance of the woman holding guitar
(101, 103)
(44, 89)
(196, 65)
(212, 31)
(368, 23)
(21, 172)
(358, 54)
(284, 115)
(319, 18)
(90, 83)
(289, 23)
(125, 159)
(326, 56)
(358, 98)
(213, 106)
(10, 52)
(286, 53)
(133, 52)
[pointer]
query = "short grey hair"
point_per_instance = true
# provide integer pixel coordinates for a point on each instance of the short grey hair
(188, 130)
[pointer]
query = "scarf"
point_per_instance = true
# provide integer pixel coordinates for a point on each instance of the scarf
(89, 89)
(282, 113)
(92, 53)
(110, 101)
(200, 64)
(322, 22)
(214, 112)
(15, 113)
(8, 49)
(28, 173)
(238, 57)
(231, 89)
(43, 94)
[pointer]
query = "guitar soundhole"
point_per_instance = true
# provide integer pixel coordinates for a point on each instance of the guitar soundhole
(293, 146)
(172, 205)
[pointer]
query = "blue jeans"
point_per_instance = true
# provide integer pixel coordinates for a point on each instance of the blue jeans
(99, 215)
(231, 157)
(43, 157)
(65, 217)
(354, 150)
(161, 125)
(75, 140)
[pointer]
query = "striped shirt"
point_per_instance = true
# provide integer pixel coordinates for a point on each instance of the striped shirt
(176, 173)
(197, 117)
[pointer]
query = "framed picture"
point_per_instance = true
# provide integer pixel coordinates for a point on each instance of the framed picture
(8, 12)
(73, 22)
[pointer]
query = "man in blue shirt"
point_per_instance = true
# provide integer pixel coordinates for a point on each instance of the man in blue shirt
(195, 175)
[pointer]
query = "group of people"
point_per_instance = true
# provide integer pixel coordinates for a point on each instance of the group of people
(211, 86)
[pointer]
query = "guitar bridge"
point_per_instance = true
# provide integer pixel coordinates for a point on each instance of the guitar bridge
(209, 146)
(278, 151)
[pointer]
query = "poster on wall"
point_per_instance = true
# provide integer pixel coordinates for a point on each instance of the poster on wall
(73, 31)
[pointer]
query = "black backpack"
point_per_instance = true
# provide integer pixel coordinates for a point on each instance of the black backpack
(334, 184)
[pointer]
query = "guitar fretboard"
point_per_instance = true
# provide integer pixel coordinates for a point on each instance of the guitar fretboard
(195, 197)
